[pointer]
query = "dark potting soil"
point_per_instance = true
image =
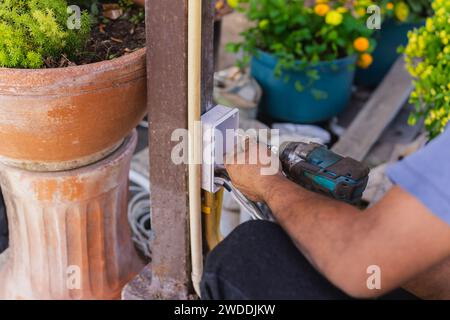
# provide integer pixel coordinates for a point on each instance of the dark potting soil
(109, 39)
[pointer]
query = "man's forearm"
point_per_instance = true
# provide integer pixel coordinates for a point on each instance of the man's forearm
(342, 242)
(322, 228)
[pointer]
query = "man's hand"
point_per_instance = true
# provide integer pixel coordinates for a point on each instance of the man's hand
(249, 170)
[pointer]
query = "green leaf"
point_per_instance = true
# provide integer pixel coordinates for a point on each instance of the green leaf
(298, 86)
(319, 94)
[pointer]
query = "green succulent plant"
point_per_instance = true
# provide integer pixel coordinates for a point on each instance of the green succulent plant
(428, 61)
(33, 30)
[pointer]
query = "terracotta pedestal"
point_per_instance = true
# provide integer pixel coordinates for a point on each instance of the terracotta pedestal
(69, 235)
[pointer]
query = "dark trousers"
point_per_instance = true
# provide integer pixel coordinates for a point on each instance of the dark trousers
(258, 261)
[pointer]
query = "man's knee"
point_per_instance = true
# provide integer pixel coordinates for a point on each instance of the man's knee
(227, 265)
(246, 239)
(255, 233)
(259, 261)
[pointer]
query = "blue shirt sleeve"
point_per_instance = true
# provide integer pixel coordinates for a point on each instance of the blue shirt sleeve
(426, 175)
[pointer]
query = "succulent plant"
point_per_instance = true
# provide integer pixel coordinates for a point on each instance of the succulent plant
(34, 30)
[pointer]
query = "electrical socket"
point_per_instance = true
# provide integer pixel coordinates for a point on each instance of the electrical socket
(216, 141)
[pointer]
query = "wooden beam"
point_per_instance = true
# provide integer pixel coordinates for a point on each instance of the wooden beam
(377, 114)
(168, 276)
(207, 55)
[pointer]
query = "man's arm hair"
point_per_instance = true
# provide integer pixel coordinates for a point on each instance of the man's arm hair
(399, 234)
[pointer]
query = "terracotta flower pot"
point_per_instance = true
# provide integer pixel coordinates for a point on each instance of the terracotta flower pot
(68, 231)
(58, 119)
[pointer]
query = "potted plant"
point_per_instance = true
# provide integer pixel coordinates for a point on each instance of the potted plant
(400, 16)
(66, 96)
(428, 59)
(303, 54)
(72, 88)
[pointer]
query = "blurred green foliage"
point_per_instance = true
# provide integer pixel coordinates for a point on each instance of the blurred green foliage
(428, 61)
(407, 10)
(299, 34)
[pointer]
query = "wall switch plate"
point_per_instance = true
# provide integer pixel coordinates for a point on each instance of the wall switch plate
(219, 127)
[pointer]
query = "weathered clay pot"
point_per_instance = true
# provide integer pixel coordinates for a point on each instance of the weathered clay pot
(58, 119)
(69, 236)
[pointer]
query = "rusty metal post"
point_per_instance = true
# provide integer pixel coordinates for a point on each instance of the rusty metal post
(168, 276)
(208, 7)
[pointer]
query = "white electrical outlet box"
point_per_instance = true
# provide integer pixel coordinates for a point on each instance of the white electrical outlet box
(219, 127)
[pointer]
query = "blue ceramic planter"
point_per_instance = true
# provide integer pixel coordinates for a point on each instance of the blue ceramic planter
(281, 100)
(392, 35)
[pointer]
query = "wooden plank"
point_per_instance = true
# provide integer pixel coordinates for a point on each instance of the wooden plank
(399, 132)
(377, 114)
(379, 183)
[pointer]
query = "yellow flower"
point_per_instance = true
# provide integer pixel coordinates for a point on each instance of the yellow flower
(264, 24)
(361, 12)
(441, 12)
(219, 5)
(429, 25)
(334, 18)
(390, 6)
(342, 10)
(402, 11)
(233, 3)
(321, 9)
(361, 44)
(365, 60)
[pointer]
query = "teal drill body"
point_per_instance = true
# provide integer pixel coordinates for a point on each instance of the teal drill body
(317, 168)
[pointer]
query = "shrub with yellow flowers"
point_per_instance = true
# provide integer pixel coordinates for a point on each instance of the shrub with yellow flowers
(406, 10)
(300, 33)
(428, 61)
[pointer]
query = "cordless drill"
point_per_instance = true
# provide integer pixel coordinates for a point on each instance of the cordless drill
(317, 168)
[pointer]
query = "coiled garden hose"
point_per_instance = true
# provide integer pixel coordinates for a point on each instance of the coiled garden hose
(139, 213)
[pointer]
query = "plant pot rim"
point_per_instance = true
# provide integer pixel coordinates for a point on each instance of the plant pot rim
(343, 61)
(60, 118)
(76, 70)
(38, 82)
(422, 20)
